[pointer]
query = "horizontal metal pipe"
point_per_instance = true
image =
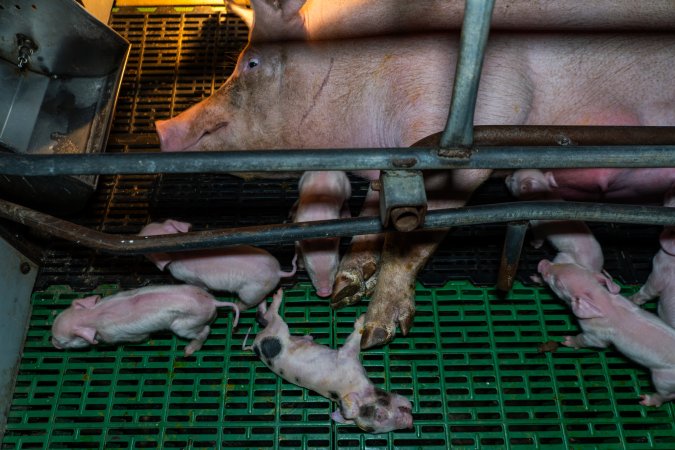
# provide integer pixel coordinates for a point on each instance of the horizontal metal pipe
(268, 234)
(421, 158)
(475, 30)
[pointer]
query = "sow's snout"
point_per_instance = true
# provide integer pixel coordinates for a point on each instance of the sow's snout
(184, 131)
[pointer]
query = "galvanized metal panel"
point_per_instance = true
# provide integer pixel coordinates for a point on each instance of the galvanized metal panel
(17, 277)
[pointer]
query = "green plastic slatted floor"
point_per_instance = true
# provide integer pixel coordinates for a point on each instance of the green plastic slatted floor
(471, 367)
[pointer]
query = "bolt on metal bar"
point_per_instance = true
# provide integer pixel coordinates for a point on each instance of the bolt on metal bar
(475, 30)
(295, 161)
(278, 233)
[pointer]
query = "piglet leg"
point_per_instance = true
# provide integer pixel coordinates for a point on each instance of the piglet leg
(352, 346)
(585, 340)
(664, 382)
(651, 289)
(270, 318)
(356, 275)
(197, 341)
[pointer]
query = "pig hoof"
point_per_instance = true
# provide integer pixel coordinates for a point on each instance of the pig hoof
(349, 289)
(374, 335)
(370, 285)
(405, 322)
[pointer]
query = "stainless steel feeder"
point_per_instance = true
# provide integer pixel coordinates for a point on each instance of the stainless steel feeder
(60, 73)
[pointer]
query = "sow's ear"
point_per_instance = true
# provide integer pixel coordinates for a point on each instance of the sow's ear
(272, 20)
(86, 302)
(244, 13)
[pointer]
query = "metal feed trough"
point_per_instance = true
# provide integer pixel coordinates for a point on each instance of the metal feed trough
(60, 72)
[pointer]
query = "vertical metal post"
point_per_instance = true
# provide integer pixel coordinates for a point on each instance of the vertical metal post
(513, 245)
(475, 29)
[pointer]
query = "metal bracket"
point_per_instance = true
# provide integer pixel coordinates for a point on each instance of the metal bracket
(26, 48)
(403, 200)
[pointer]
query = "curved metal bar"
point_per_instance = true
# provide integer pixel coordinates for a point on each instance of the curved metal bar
(268, 234)
(294, 161)
(475, 30)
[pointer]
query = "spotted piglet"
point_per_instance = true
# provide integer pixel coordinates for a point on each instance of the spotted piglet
(606, 318)
(335, 374)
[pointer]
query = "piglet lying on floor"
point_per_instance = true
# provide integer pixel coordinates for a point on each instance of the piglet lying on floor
(131, 316)
(607, 318)
(335, 374)
(250, 272)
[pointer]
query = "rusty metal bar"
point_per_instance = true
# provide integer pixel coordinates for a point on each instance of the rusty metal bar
(513, 245)
(475, 29)
(511, 135)
(544, 135)
(268, 234)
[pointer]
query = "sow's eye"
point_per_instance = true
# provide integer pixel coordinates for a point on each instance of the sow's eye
(253, 62)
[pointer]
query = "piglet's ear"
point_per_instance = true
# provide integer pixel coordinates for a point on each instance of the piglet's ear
(87, 333)
(179, 227)
(551, 179)
(606, 280)
(337, 416)
(349, 405)
(544, 265)
(583, 308)
(86, 302)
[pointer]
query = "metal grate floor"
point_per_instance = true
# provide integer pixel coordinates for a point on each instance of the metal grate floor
(471, 367)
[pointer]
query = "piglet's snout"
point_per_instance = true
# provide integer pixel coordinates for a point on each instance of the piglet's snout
(405, 420)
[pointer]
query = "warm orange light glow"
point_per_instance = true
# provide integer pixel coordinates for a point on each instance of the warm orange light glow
(169, 3)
